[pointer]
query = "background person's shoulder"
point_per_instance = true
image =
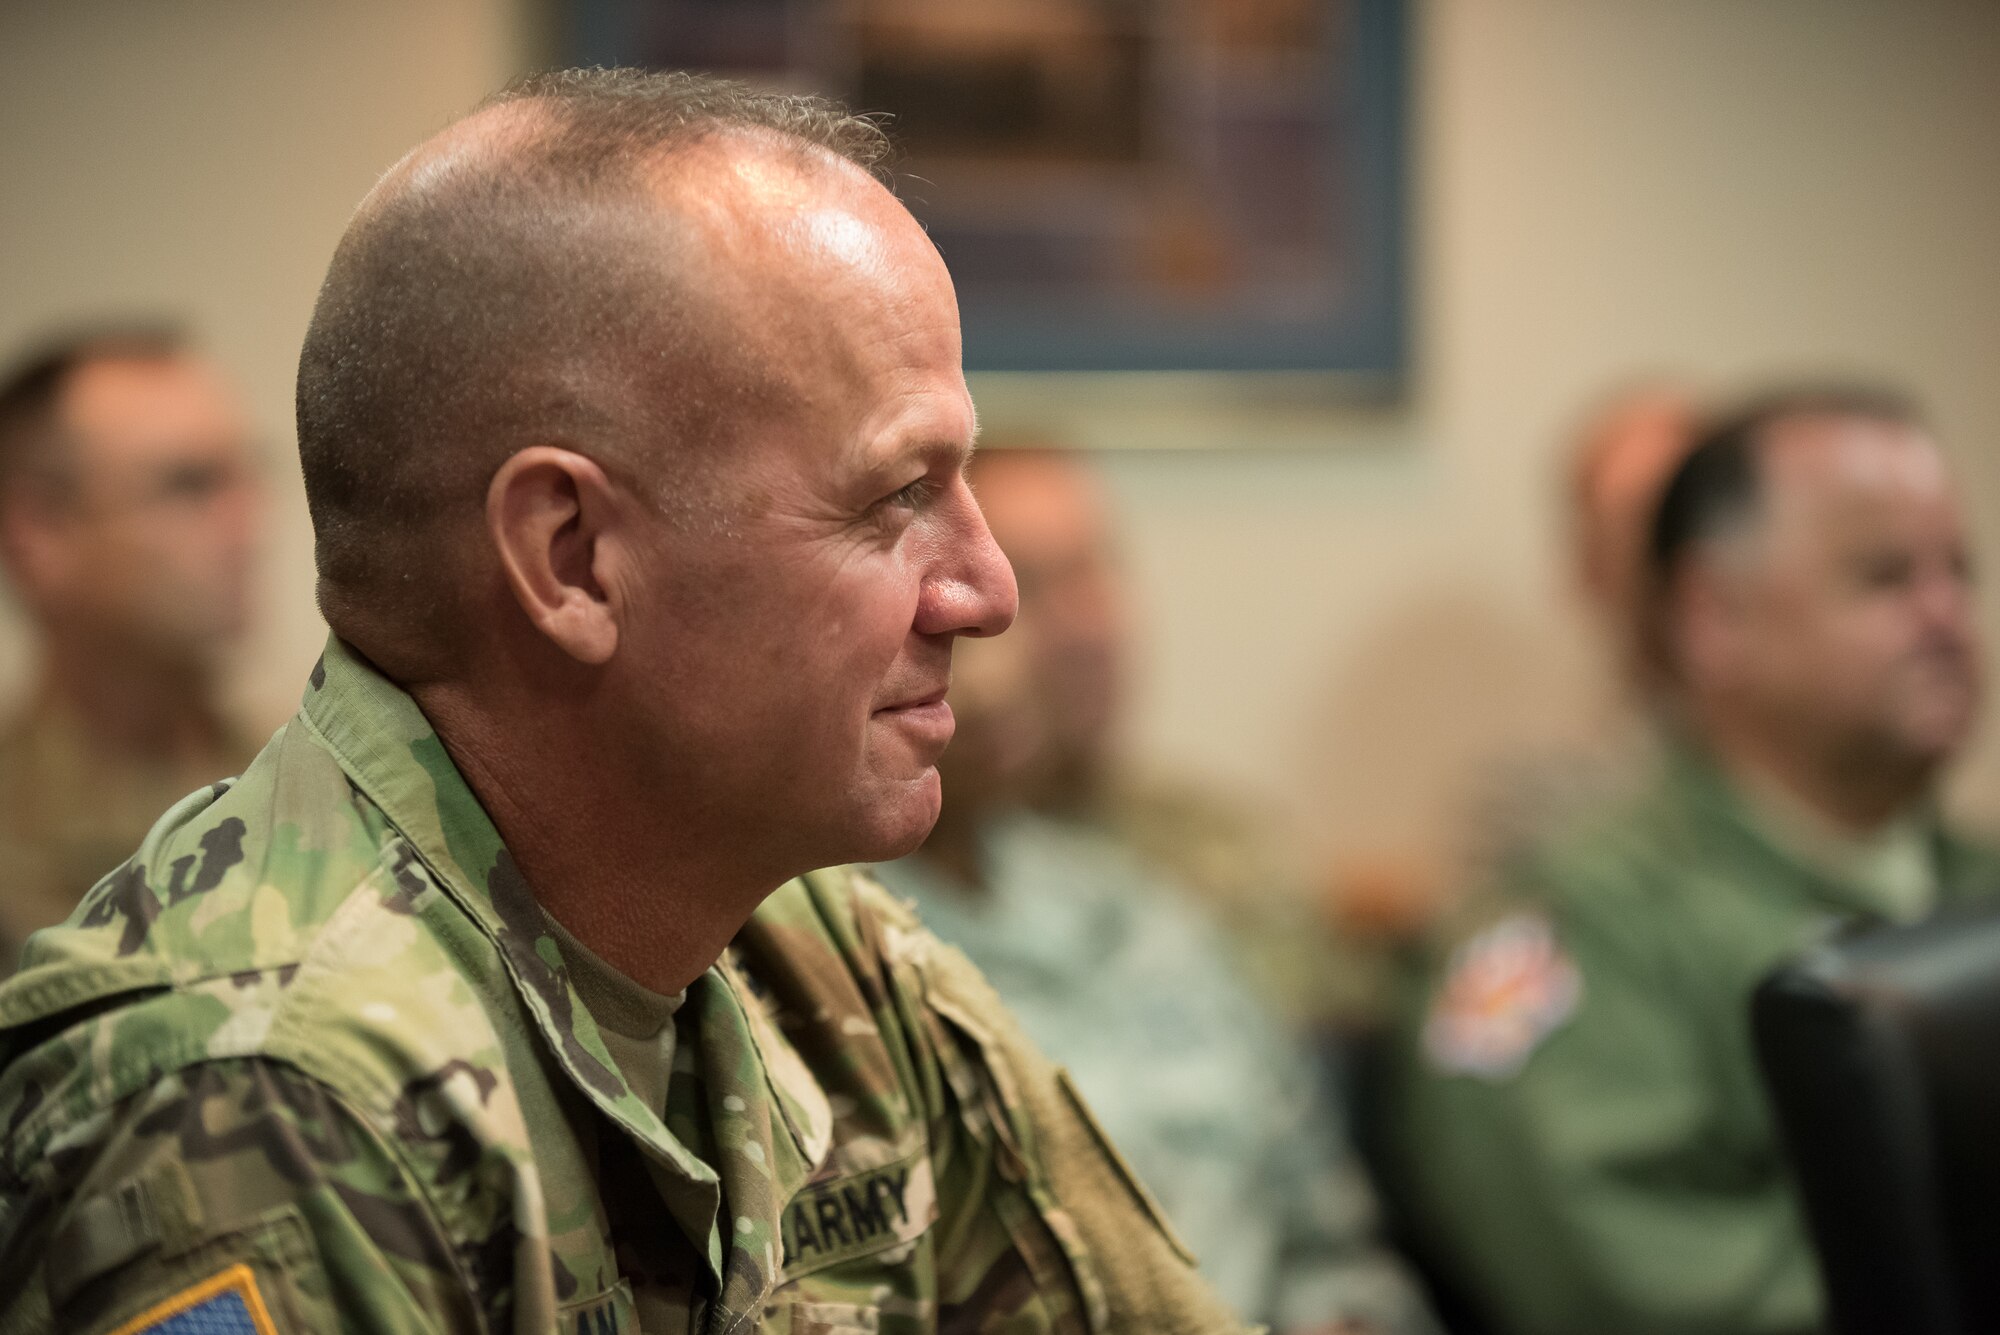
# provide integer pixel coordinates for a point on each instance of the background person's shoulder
(275, 916)
(236, 876)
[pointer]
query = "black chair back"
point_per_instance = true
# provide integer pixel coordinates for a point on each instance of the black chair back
(1881, 1054)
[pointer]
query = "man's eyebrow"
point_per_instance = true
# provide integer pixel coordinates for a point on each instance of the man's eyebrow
(931, 451)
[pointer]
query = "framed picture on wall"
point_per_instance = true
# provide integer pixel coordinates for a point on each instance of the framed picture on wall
(1185, 185)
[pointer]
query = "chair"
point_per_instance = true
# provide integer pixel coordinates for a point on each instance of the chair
(1881, 1053)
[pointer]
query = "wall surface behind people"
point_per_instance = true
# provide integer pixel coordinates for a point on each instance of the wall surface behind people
(1348, 609)
(1713, 189)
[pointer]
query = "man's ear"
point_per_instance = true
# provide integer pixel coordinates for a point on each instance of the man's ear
(37, 547)
(1707, 617)
(557, 523)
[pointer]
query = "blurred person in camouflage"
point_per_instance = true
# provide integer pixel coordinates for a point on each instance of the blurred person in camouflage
(499, 992)
(1585, 1139)
(1118, 972)
(1049, 513)
(129, 511)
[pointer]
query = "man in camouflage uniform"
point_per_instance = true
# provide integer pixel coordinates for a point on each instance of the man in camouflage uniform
(1588, 1144)
(634, 432)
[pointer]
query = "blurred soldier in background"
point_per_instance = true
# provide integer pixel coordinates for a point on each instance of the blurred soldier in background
(1050, 516)
(1110, 964)
(1588, 1147)
(129, 510)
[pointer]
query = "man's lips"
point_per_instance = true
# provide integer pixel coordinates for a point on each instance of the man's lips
(926, 715)
(924, 701)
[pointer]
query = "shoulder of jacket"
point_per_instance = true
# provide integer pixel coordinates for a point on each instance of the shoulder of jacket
(862, 930)
(237, 876)
(1617, 895)
(1971, 861)
(298, 930)
(1619, 858)
(842, 910)
(384, 1027)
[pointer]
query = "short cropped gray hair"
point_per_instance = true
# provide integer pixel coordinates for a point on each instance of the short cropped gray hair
(490, 305)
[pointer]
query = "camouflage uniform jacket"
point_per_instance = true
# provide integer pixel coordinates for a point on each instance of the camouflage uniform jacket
(310, 1061)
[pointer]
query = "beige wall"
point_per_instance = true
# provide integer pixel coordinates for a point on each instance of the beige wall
(1352, 608)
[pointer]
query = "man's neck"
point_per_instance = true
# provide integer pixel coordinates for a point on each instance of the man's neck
(645, 893)
(130, 704)
(1854, 805)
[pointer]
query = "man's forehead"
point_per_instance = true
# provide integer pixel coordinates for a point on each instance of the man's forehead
(150, 399)
(929, 444)
(1844, 484)
(1829, 456)
(931, 421)
(825, 278)
(767, 211)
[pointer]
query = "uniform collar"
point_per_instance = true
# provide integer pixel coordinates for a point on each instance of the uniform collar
(1056, 904)
(391, 753)
(766, 1095)
(1698, 783)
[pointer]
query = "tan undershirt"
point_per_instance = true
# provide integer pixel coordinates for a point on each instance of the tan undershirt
(638, 1029)
(637, 1024)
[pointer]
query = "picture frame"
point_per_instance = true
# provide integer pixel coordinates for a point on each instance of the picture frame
(1116, 185)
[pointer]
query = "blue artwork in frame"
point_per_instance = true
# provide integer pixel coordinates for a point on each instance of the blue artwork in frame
(1187, 185)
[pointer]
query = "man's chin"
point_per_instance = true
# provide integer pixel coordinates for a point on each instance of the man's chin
(1940, 732)
(901, 819)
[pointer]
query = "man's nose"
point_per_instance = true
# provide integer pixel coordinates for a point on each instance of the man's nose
(972, 590)
(1945, 601)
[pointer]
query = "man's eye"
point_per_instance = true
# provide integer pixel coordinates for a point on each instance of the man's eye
(911, 497)
(190, 483)
(1884, 571)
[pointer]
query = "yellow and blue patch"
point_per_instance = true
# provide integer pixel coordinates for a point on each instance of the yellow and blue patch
(224, 1304)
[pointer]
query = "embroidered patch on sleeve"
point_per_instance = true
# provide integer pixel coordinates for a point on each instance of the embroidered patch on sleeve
(224, 1304)
(1505, 990)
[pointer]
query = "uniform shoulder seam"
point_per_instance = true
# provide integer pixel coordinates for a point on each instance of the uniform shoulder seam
(146, 1066)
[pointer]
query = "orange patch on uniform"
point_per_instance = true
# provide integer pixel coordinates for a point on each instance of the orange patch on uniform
(1506, 990)
(223, 1304)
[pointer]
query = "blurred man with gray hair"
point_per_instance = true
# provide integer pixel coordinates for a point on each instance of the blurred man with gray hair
(1588, 1146)
(1115, 966)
